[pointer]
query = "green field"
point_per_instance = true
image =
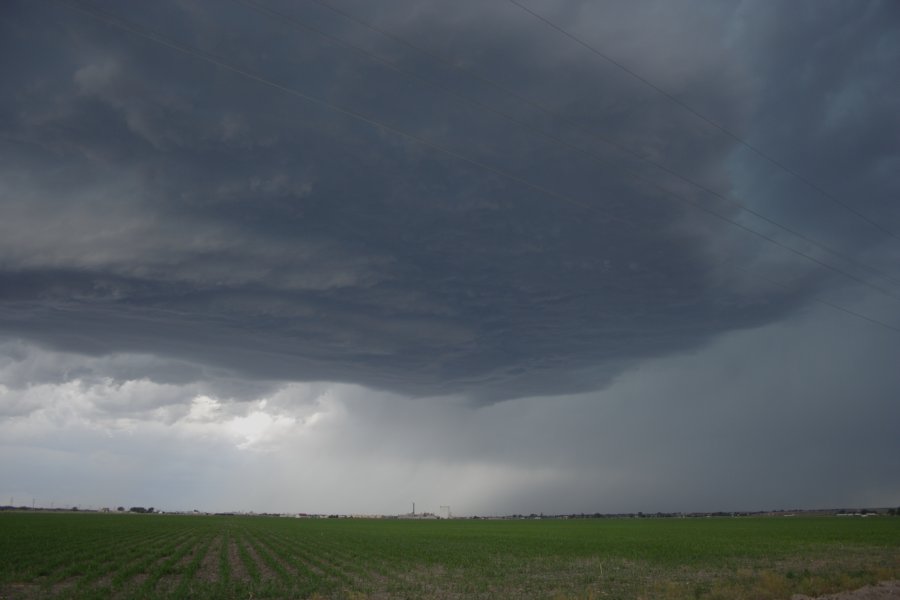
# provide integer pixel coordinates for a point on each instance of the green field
(149, 556)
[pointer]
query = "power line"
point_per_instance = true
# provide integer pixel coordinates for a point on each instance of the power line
(827, 303)
(153, 36)
(158, 38)
(704, 118)
(555, 114)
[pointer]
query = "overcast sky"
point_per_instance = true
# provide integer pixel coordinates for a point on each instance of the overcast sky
(342, 256)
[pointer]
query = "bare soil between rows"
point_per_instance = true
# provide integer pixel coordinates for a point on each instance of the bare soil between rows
(886, 590)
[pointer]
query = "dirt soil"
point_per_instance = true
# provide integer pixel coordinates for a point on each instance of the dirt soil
(886, 590)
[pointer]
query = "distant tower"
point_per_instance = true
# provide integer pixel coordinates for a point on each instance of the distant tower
(414, 508)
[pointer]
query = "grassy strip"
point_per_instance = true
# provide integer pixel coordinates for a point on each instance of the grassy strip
(113, 557)
(148, 560)
(224, 563)
(89, 567)
(312, 554)
(268, 559)
(164, 565)
(185, 586)
(247, 560)
(57, 562)
(322, 577)
(303, 582)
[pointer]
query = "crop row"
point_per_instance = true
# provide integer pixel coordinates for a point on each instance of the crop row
(151, 556)
(148, 557)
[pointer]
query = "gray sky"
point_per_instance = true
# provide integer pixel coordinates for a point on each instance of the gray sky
(333, 274)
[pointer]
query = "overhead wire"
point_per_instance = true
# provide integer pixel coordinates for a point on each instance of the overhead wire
(161, 39)
(687, 107)
(549, 112)
(293, 21)
(130, 26)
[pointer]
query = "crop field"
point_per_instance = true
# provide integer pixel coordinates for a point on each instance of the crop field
(78, 555)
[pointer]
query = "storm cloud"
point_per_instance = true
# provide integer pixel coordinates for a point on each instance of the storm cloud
(230, 219)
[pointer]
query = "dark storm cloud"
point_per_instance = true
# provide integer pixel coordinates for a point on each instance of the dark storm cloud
(827, 108)
(155, 204)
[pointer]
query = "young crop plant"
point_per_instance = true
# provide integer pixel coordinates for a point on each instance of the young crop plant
(206, 557)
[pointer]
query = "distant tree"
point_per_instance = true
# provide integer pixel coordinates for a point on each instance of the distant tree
(121, 509)
(137, 509)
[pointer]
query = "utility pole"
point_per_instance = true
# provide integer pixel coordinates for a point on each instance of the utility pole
(414, 509)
